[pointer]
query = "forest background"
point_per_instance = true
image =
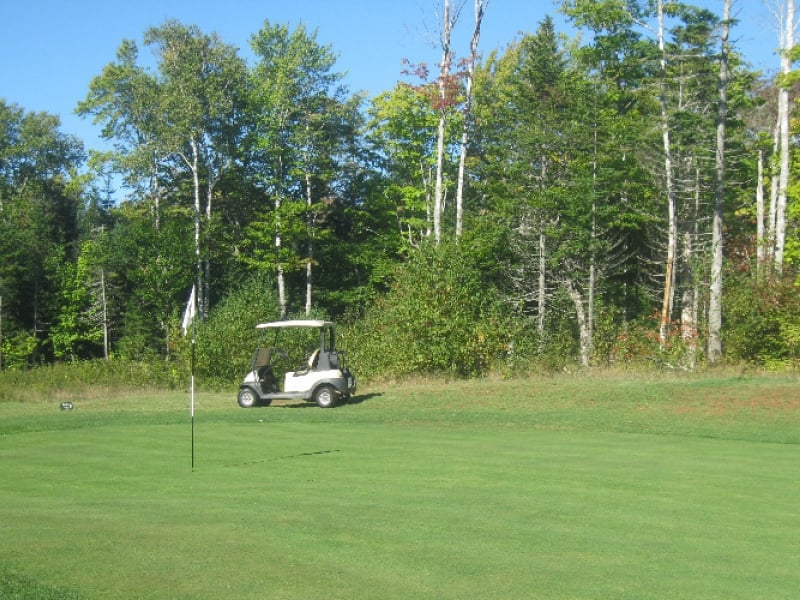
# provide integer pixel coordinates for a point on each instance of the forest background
(623, 195)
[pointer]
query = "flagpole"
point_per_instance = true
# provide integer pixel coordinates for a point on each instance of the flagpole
(191, 369)
(189, 321)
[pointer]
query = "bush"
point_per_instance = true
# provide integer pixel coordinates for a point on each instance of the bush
(226, 340)
(761, 320)
(439, 317)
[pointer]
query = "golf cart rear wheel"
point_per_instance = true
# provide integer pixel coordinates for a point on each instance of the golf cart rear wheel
(325, 396)
(247, 398)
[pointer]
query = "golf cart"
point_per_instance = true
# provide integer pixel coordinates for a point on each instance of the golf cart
(322, 378)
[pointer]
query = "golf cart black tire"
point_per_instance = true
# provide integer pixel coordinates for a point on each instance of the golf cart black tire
(326, 396)
(247, 398)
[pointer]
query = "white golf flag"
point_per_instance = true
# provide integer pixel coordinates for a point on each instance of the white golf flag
(190, 313)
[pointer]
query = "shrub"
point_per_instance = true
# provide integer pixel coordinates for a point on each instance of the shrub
(440, 316)
(226, 340)
(761, 320)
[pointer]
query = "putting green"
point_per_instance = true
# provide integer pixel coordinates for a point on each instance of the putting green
(288, 503)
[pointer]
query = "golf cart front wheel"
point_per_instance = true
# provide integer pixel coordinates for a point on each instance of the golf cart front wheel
(247, 398)
(325, 396)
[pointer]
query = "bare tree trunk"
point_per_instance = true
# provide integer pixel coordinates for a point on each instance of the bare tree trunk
(213, 177)
(787, 43)
(438, 193)
(282, 304)
(156, 189)
(310, 257)
(280, 276)
(773, 193)
(691, 291)
(593, 262)
(449, 19)
(672, 226)
(426, 183)
(480, 7)
(585, 334)
(105, 312)
(542, 292)
(715, 297)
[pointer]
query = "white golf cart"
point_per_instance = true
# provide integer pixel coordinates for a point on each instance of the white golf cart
(322, 379)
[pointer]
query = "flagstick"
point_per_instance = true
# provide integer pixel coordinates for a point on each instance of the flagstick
(191, 369)
(188, 321)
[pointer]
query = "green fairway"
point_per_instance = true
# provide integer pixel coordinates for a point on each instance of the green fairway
(553, 488)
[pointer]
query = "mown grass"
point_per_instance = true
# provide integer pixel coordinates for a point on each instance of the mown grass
(16, 587)
(563, 487)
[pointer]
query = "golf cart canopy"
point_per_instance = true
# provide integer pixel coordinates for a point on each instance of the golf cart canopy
(296, 323)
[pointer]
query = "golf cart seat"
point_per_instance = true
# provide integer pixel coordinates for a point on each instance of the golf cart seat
(263, 370)
(328, 360)
(311, 365)
(312, 360)
(262, 358)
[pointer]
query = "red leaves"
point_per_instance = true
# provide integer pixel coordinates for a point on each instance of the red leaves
(444, 92)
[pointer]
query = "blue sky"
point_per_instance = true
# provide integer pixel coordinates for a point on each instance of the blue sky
(51, 49)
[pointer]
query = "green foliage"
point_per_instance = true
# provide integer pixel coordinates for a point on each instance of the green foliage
(300, 125)
(78, 332)
(39, 202)
(441, 315)
(762, 320)
(565, 161)
(635, 345)
(18, 350)
(150, 269)
(226, 340)
(402, 129)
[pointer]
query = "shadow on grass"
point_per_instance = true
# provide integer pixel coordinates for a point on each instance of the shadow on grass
(362, 398)
(309, 404)
(286, 457)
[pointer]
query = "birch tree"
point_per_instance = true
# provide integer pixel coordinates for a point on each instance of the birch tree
(183, 118)
(541, 147)
(672, 213)
(715, 297)
(480, 9)
(445, 86)
(296, 99)
(786, 20)
(522, 139)
(201, 94)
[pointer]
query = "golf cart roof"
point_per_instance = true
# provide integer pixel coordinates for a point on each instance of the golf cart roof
(315, 323)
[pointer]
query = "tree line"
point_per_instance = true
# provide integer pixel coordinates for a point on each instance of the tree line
(625, 195)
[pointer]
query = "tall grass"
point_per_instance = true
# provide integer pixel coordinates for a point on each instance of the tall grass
(89, 379)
